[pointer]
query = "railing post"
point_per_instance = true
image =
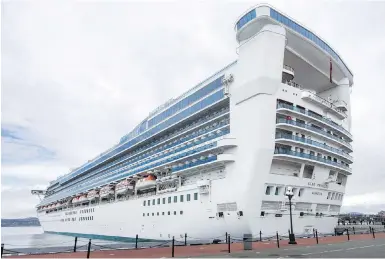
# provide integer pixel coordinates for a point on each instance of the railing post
(226, 238)
(136, 241)
(229, 242)
(316, 235)
(76, 241)
(373, 233)
(172, 246)
(260, 236)
(89, 249)
(2, 250)
(347, 231)
(185, 239)
(277, 240)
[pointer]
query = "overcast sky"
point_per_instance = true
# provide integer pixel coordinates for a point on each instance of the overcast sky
(76, 76)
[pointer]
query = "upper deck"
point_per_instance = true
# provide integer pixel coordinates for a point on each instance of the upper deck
(300, 41)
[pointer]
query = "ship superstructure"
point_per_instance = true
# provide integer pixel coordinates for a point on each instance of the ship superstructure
(219, 157)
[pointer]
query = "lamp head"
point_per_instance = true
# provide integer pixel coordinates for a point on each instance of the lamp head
(289, 191)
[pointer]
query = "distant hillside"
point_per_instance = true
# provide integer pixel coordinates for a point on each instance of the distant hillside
(26, 222)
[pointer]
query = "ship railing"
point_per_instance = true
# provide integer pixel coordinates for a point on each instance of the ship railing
(312, 114)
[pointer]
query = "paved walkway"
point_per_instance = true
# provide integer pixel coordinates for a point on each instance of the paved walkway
(218, 250)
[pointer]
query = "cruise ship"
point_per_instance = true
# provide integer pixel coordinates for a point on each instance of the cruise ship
(220, 157)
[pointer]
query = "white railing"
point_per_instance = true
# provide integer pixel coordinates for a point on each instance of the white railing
(288, 68)
(324, 102)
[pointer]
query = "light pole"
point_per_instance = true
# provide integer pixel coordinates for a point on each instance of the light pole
(289, 193)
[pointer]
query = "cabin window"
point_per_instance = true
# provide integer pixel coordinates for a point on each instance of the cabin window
(300, 192)
(148, 203)
(175, 199)
(174, 212)
(153, 202)
(181, 212)
(163, 213)
(158, 201)
(157, 213)
(196, 196)
(164, 200)
(144, 214)
(169, 199)
(168, 213)
(188, 197)
(181, 198)
(153, 214)
(268, 189)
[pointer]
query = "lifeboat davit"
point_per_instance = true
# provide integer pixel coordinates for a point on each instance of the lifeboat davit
(122, 187)
(75, 200)
(82, 198)
(106, 191)
(146, 183)
(92, 195)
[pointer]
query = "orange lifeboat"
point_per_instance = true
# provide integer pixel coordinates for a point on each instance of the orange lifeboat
(146, 183)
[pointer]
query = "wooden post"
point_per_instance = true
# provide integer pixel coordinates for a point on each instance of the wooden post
(347, 231)
(316, 235)
(136, 241)
(229, 242)
(185, 239)
(260, 236)
(89, 249)
(226, 238)
(277, 240)
(172, 246)
(76, 241)
(2, 250)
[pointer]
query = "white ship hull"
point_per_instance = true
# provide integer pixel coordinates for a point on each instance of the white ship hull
(123, 220)
(245, 135)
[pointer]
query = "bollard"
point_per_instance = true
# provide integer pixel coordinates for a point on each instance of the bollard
(172, 246)
(136, 241)
(229, 242)
(347, 232)
(373, 233)
(316, 235)
(89, 249)
(76, 241)
(185, 239)
(354, 231)
(247, 241)
(260, 236)
(2, 250)
(277, 240)
(226, 237)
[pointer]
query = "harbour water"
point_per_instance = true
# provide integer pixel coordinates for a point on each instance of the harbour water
(26, 237)
(33, 240)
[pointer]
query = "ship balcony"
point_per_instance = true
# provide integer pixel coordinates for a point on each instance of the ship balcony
(286, 109)
(341, 105)
(290, 124)
(287, 73)
(227, 142)
(197, 165)
(324, 104)
(288, 154)
(289, 139)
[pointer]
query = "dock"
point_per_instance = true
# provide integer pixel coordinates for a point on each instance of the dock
(330, 246)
